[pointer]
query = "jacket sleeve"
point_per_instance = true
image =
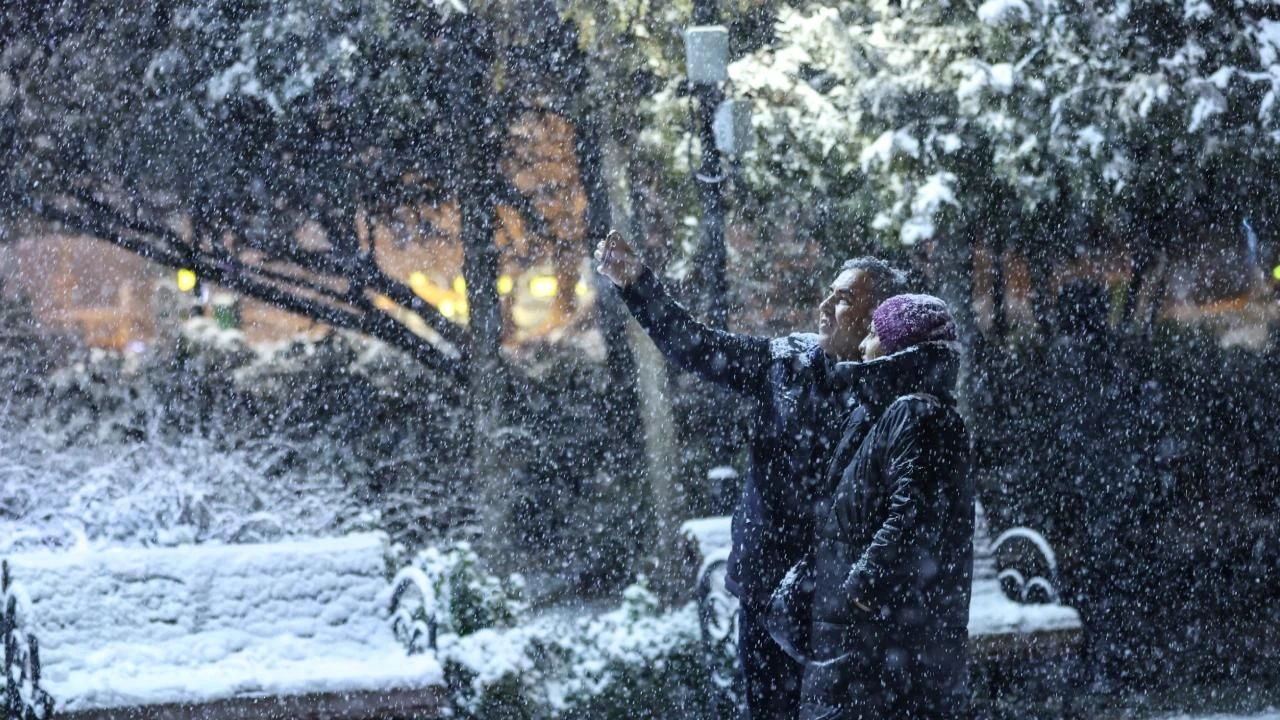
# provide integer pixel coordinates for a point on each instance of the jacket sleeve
(740, 362)
(892, 559)
(791, 611)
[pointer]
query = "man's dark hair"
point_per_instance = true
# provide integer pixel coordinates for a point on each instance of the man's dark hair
(886, 280)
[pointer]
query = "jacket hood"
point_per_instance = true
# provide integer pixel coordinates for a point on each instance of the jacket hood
(929, 367)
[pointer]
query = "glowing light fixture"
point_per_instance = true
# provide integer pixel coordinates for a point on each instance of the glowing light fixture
(732, 127)
(460, 285)
(1275, 272)
(580, 289)
(186, 280)
(505, 284)
(447, 309)
(706, 52)
(543, 286)
(418, 282)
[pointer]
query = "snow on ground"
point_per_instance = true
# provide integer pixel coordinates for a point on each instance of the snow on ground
(1265, 715)
(123, 627)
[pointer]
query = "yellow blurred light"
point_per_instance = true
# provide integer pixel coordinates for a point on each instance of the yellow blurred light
(186, 280)
(447, 309)
(383, 303)
(460, 285)
(418, 281)
(580, 289)
(1275, 272)
(505, 284)
(543, 286)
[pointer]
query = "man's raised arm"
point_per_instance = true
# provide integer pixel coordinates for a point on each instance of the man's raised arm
(739, 362)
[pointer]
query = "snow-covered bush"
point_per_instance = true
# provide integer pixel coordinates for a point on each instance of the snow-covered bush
(163, 493)
(635, 661)
(26, 352)
(211, 439)
(454, 597)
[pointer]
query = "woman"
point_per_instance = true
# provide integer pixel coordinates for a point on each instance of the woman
(893, 557)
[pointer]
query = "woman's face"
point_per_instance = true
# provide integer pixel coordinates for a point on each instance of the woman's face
(870, 347)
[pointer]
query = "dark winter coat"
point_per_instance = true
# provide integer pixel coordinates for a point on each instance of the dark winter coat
(796, 423)
(897, 537)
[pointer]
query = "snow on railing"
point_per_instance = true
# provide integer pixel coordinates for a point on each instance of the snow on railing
(413, 610)
(24, 699)
(1031, 536)
(1028, 587)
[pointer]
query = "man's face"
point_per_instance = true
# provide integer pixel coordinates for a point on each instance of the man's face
(845, 315)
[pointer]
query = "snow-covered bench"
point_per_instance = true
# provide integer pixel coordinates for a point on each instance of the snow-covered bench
(1014, 593)
(297, 628)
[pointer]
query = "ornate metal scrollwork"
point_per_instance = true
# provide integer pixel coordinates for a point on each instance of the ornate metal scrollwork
(1027, 567)
(413, 610)
(24, 698)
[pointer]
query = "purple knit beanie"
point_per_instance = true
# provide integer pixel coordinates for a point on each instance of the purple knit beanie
(906, 320)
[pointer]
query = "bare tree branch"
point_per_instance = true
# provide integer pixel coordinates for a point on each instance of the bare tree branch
(510, 195)
(115, 229)
(359, 266)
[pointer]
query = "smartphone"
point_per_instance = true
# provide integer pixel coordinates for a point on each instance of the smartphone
(610, 240)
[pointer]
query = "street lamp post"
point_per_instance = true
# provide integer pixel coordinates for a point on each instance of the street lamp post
(706, 55)
(707, 69)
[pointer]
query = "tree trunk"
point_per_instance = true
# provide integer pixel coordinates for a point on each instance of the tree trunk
(1157, 295)
(662, 453)
(478, 183)
(999, 321)
(626, 459)
(952, 263)
(667, 495)
(1041, 302)
(1139, 265)
(486, 376)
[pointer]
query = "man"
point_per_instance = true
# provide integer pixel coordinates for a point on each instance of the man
(796, 424)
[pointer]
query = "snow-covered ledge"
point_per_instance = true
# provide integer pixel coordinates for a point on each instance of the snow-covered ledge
(298, 627)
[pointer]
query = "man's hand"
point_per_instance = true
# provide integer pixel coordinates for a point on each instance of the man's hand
(617, 261)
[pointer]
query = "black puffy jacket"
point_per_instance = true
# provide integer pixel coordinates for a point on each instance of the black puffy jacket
(795, 426)
(896, 536)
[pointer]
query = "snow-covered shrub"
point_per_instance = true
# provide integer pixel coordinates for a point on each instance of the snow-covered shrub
(163, 449)
(635, 661)
(163, 493)
(454, 597)
(26, 352)
(211, 439)
(101, 397)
